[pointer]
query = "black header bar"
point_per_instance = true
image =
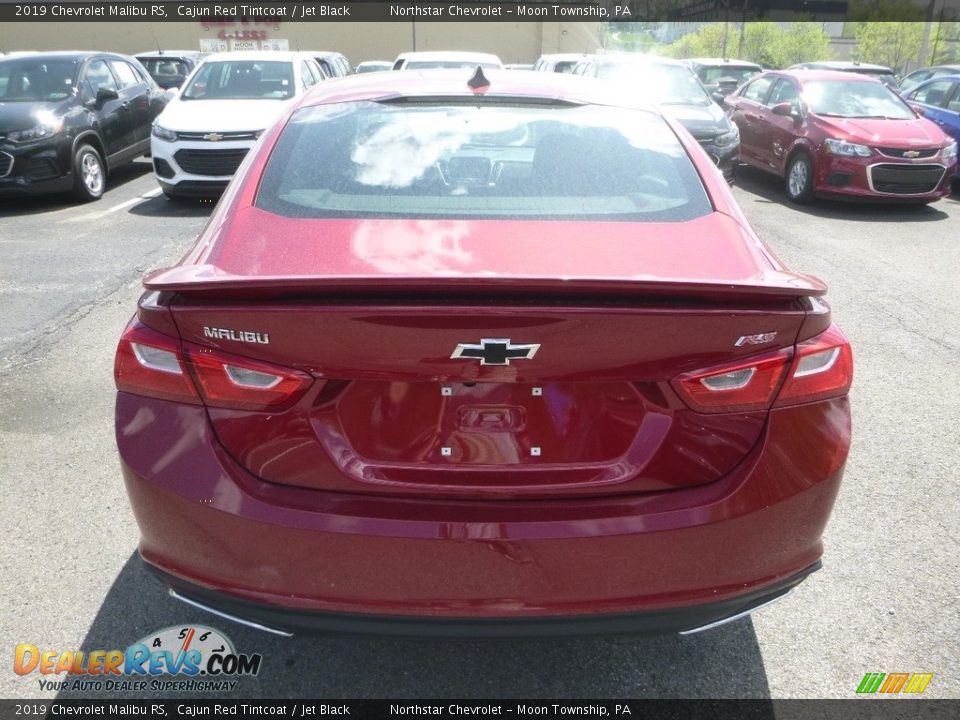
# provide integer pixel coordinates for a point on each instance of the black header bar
(555, 709)
(471, 10)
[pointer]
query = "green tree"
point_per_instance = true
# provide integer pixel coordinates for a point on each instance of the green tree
(763, 43)
(888, 43)
(708, 41)
(805, 41)
(942, 50)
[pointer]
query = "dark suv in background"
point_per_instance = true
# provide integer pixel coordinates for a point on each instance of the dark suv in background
(170, 68)
(721, 77)
(68, 118)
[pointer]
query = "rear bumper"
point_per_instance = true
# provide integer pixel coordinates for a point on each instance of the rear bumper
(672, 559)
(289, 621)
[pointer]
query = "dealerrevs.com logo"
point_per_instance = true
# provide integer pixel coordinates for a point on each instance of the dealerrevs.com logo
(178, 658)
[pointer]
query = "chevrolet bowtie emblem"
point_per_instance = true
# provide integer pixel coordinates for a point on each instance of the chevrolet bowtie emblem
(495, 351)
(213, 137)
(911, 153)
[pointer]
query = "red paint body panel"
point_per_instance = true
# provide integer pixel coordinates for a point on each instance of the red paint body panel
(771, 140)
(341, 552)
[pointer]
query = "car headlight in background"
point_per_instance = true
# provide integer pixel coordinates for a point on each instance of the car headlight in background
(949, 152)
(48, 125)
(847, 149)
(729, 137)
(159, 131)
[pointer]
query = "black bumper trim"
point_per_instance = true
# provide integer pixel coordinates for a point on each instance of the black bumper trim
(653, 622)
(194, 188)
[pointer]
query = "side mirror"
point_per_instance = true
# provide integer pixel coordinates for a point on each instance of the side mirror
(106, 94)
(718, 97)
(918, 109)
(170, 93)
(786, 109)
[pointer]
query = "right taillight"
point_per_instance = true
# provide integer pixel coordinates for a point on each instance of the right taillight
(819, 368)
(822, 368)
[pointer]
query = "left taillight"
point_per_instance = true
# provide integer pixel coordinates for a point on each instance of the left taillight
(229, 381)
(149, 363)
(155, 365)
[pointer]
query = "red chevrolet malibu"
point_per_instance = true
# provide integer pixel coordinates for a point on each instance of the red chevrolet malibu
(484, 355)
(841, 134)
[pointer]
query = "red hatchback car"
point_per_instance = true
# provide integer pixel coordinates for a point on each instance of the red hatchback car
(484, 356)
(841, 134)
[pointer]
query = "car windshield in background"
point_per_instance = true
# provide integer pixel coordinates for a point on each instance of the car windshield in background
(447, 65)
(504, 161)
(713, 75)
(886, 78)
(165, 67)
(37, 80)
(663, 84)
(241, 80)
(855, 99)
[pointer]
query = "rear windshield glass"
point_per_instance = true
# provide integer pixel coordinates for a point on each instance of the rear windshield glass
(855, 99)
(37, 80)
(368, 159)
(241, 80)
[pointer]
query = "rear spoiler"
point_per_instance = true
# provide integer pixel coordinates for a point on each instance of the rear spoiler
(208, 282)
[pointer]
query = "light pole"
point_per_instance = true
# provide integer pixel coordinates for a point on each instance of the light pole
(927, 26)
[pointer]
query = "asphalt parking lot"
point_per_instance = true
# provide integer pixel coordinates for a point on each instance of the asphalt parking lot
(887, 599)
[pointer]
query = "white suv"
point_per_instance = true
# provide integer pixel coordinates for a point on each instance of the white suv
(202, 136)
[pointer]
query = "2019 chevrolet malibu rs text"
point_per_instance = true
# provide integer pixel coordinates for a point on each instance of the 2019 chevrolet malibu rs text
(486, 355)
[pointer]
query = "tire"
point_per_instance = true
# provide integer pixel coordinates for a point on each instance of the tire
(798, 180)
(89, 174)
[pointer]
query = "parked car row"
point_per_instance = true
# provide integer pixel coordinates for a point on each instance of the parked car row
(785, 122)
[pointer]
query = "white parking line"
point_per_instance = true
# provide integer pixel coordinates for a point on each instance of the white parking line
(121, 206)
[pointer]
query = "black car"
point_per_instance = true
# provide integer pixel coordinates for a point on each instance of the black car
(170, 68)
(721, 77)
(68, 118)
(673, 86)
